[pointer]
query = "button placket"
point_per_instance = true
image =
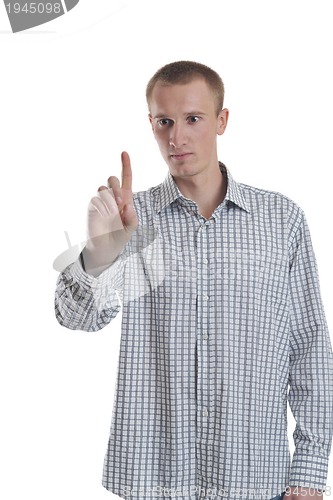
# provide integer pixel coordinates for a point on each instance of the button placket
(202, 318)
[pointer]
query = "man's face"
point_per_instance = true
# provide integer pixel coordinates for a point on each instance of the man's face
(185, 125)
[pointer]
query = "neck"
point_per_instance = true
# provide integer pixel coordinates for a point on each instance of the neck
(207, 190)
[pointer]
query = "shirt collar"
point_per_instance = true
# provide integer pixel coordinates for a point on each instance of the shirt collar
(235, 192)
(169, 191)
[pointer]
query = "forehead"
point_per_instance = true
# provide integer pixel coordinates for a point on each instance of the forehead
(195, 94)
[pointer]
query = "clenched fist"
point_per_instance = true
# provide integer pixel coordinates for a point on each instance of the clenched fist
(111, 221)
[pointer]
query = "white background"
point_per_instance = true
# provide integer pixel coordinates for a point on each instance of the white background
(72, 98)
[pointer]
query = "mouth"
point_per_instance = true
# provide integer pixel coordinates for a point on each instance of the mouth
(181, 156)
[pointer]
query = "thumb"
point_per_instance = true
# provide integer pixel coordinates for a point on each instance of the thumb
(129, 217)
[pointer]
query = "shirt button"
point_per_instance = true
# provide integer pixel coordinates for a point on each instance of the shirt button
(205, 336)
(205, 261)
(205, 297)
(205, 412)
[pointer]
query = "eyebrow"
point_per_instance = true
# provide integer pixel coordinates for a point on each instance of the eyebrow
(190, 113)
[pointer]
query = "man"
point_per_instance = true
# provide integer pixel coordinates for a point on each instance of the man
(221, 312)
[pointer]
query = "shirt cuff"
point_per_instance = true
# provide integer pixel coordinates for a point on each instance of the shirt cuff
(309, 471)
(103, 286)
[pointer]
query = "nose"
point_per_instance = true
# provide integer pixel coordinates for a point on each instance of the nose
(177, 137)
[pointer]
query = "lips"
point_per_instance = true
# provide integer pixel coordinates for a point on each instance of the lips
(180, 156)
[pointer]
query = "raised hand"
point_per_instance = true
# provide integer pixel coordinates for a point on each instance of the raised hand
(111, 221)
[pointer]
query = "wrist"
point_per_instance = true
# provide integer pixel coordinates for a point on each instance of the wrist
(94, 262)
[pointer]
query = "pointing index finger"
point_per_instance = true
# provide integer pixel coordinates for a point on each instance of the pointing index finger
(126, 171)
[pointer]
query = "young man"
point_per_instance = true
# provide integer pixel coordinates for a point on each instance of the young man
(221, 313)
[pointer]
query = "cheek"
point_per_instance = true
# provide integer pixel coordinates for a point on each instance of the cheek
(161, 138)
(204, 137)
(162, 142)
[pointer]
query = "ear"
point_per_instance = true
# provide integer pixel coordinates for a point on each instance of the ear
(151, 121)
(222, 121)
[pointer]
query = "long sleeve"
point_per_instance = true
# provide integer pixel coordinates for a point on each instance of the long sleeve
(311, 366)
(83, 302)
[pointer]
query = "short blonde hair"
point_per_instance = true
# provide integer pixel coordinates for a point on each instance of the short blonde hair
(182, 72)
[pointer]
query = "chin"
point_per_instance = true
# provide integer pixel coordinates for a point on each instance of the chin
(182, 173)
(183, 168)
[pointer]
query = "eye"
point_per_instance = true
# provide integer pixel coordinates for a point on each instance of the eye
(164, 122)
(193, 119)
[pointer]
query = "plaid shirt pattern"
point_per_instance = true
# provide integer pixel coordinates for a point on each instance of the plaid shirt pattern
(222, 326)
